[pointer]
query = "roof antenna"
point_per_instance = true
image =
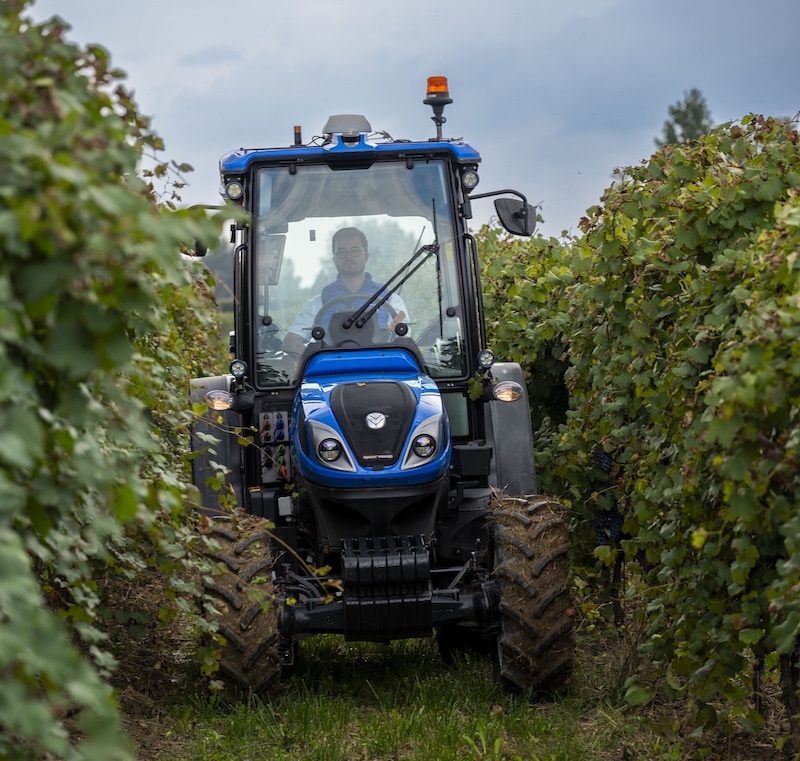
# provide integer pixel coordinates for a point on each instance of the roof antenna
(437, 98)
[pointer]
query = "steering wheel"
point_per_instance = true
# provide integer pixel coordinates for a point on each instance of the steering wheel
(268, 338)
(331, 318)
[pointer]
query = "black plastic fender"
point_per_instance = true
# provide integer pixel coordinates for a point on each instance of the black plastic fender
(225, 452)
(508, 431)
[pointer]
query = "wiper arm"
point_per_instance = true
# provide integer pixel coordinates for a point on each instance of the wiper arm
(381, 296)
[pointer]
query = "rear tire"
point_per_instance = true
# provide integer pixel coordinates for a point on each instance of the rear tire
(531, 568)
(241, 601)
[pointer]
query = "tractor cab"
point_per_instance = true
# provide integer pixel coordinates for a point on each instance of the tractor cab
(356, 254)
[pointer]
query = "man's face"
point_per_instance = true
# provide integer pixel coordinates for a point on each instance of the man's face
(349, 255)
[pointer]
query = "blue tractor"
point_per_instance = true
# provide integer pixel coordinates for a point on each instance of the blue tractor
(380, 459)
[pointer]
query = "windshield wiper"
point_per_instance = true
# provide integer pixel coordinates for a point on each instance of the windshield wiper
(362, 315)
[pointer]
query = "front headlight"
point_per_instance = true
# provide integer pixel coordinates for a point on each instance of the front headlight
(329, 450)
(423, 445)
(424, 442)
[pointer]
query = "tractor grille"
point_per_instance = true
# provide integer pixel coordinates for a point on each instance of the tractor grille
(352, 403)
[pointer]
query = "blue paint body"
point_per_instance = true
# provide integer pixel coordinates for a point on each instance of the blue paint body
(313, 405)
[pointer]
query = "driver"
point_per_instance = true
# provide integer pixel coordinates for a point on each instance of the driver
(350, 255)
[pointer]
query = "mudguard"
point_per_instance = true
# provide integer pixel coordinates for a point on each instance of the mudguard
(211, 446)
(508, 430)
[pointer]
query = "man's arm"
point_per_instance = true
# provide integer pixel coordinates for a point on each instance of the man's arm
(299, 332)
(293, 343)
(402, 311)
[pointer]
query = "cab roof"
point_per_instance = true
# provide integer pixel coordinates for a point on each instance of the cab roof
(343, 146)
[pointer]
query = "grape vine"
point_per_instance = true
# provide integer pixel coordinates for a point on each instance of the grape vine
(666, 339)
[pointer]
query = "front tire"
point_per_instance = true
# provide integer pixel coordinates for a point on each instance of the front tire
(531, 569)
(241, 600)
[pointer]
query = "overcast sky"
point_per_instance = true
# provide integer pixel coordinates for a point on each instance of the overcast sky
(554, 95)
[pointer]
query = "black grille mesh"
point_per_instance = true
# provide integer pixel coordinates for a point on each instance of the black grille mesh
(353, 402)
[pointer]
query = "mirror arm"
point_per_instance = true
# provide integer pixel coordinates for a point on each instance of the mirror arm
(474, 196)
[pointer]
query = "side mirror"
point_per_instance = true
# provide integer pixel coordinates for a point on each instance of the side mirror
(517, 217)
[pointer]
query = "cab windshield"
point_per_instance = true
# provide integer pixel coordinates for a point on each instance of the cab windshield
(328, 240)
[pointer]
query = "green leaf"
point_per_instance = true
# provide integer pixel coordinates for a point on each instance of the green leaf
(751, 636)
(638, 695)
(125, 502)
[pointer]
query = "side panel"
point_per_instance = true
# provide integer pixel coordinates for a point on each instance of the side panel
(508, 430)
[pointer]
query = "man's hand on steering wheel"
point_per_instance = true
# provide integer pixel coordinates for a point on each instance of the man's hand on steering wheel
(351, 303)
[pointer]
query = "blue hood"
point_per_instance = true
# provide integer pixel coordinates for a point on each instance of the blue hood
(375, 403)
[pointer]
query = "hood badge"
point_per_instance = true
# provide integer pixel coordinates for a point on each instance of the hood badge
(376, 420)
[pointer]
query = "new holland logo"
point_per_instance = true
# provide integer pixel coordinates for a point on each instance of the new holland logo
(376, 420)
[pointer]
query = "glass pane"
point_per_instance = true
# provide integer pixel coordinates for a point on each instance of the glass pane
(327, 240)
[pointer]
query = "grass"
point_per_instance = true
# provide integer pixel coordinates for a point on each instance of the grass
(350, 701)
(371, 702)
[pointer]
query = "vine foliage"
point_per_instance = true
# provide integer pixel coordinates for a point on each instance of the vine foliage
(664, 364)
(99, 325)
